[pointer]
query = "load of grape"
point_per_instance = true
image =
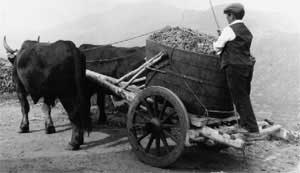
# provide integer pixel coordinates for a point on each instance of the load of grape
(185, 39)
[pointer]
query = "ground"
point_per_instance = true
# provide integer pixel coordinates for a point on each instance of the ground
(106, 149)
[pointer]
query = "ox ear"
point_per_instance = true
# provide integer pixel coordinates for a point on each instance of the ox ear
(11, 58)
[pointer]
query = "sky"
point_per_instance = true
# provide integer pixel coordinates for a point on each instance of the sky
(38, 14)
(25, 18)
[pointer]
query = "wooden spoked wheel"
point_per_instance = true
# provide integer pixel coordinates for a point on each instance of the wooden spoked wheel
(157, 126)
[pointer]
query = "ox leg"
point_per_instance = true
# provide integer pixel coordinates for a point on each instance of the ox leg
(101, 105)
(46, 108)
(76, 139)
(77, 133)
(24, 126)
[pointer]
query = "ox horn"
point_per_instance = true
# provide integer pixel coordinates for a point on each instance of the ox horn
(38, 39)
(7, 48)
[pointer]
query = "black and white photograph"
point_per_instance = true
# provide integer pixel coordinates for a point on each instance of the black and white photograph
(149, 86)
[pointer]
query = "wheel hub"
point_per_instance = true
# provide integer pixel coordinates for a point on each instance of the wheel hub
(155, 125)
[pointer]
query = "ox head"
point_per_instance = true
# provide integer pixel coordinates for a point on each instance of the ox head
(12, 53)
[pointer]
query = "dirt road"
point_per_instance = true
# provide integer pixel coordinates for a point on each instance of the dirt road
(107, 149)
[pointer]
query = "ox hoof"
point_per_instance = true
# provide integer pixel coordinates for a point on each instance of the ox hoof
(72, 147)
(24, 129)
(50, 130)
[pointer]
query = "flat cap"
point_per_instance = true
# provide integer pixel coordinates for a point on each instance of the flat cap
(235, 8)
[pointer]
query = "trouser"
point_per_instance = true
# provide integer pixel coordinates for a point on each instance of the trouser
(238, 79)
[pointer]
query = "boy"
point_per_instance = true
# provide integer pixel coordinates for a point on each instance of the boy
(233, 46)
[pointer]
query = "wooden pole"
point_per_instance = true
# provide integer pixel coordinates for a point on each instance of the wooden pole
(270, 130)
(141, 79)
(108, 82)
(217, 136)
(155, 60)
(139, 68)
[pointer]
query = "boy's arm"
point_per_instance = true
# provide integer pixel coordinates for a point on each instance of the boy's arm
(226, 35)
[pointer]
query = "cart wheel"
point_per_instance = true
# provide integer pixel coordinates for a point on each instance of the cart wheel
(157, 126)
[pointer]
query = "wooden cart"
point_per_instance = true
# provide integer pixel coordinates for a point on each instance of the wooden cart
(183, 101)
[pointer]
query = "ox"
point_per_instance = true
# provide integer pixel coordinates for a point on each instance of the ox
(52, 71)
(111, 61)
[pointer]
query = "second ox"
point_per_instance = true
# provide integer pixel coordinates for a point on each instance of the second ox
(111, 61)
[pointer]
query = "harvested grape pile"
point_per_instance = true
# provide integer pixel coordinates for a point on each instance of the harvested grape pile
(186, 39)
(6, 83)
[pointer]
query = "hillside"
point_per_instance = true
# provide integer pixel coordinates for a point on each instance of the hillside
(128, 20)
(120, 23)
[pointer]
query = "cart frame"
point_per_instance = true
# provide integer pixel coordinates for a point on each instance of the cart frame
(149, 117)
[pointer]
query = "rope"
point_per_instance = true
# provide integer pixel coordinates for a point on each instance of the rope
(110, 59)
(132, 38)
(121, 41)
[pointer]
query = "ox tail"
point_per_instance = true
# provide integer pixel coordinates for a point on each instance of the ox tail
(83, 119)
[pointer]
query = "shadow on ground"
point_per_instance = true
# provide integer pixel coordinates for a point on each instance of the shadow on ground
(62, 128)
(115, 137)
(204, 160)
